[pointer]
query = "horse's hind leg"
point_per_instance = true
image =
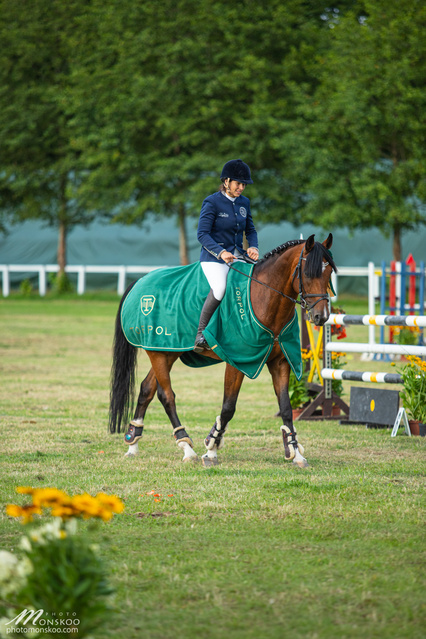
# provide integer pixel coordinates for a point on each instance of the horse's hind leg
(214, 440)
(135, 429)
(162, 364)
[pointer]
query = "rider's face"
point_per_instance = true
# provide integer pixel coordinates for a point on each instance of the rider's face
(234, 188)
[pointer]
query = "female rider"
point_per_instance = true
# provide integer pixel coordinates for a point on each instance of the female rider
(224, 217)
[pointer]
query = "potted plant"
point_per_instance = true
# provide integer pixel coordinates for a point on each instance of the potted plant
(414, 394)
(407, 335)
(298, 392)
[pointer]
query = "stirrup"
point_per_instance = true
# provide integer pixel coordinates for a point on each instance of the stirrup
(201, 345)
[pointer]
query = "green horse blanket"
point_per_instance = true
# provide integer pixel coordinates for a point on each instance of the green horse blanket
(162, 310)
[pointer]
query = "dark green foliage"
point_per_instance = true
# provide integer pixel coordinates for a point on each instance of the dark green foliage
(68, 577)
(129, 109)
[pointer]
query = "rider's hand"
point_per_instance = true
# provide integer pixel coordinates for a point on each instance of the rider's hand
(253, 253)
(227, 257)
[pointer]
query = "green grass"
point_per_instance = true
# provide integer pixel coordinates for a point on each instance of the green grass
(253, 548)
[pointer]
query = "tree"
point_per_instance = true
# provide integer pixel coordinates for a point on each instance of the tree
(364, 138)
(167, 92)
(40, 171)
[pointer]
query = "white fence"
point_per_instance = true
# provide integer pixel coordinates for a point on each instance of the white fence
(123, 271)
(81, 271)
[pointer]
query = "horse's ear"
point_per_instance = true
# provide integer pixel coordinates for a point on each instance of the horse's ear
(310, 242)
(328, 242)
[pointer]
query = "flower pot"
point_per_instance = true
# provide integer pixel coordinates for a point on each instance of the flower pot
(417, 428)
(296, 412)
(335, 411)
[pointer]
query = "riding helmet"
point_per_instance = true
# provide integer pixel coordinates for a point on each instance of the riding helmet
(237, 170)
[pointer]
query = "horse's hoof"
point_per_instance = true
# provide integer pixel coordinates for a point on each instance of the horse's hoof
(130, 455)
(302, 463)
(208, 462)
(190, 458)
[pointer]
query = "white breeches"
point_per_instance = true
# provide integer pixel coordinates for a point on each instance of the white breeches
(216, 274)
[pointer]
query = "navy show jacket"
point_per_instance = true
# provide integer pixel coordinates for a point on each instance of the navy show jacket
(221, 226)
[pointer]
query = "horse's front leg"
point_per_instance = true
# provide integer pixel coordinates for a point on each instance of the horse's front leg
(280, 372)
(214, 440)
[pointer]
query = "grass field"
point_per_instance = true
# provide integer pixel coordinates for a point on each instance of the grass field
(253, 548)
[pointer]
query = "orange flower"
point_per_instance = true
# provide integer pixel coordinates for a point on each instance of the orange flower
(24, 512)
(25, 490)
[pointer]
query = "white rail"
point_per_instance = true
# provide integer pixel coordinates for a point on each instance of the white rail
(81, 271)
(122, 272)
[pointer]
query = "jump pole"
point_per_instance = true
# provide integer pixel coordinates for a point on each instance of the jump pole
(326, 398)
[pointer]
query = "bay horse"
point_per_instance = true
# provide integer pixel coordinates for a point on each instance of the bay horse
(296, 269)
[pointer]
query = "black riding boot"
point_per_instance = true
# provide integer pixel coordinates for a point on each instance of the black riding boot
(210, 305)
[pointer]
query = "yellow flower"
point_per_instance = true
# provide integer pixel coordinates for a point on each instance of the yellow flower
(111, 502)
(13, 511)
(86, 505)
(49, 497)
(25, 490)
(105, 514)
(25, 512)
(65, 512)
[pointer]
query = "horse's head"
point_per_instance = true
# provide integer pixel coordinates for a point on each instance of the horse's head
(311, 278)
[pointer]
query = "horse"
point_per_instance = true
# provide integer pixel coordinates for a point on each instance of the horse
(296, 272)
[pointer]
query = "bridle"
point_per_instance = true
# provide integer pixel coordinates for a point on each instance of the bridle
(303, 303)
(297, 273)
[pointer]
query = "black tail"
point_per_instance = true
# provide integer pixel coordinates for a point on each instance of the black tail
(123, 371)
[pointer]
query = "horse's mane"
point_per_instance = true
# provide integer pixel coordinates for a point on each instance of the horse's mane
(314, 260)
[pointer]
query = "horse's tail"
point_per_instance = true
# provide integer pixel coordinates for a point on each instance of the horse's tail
(123, 369)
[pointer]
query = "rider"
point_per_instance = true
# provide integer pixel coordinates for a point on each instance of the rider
(223, 218)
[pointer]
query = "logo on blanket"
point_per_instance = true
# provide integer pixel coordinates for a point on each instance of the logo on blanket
(243, 211)
(147, 304)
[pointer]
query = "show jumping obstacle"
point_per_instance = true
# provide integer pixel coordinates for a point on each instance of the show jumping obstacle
(326, 397)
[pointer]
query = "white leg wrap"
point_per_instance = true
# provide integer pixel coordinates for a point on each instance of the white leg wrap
(133, 450)
(189, 452)
(212, 437)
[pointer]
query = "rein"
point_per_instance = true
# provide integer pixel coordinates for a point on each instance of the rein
(297, 271)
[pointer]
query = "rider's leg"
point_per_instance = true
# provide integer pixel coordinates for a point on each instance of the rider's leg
(216, 275)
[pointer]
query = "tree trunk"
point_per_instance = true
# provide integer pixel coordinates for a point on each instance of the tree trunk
(62, 247)
(183, 239)
(63, 228)
(397, 249)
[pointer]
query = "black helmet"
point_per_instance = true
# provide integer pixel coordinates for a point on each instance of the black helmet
(237, 170)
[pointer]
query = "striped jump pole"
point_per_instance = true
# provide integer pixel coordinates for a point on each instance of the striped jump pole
(356, 376)
(418, 321)
(383, 349)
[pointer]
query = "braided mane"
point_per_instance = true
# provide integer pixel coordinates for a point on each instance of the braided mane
(280, 249)
(314, 260)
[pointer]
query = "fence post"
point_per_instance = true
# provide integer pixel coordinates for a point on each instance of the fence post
(42, 281)
(121, 286)
(81, 280)
(5, 281)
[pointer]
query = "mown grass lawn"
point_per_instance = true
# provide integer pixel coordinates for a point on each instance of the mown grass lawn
(253, 548)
